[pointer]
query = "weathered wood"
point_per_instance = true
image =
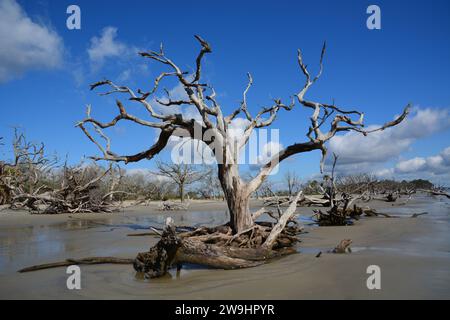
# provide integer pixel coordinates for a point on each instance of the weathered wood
(214, 250)
(173, 206)
(343, 246)
(87, 261)
(436, 192)
(279, 227)
(258, 213)
(304, 200)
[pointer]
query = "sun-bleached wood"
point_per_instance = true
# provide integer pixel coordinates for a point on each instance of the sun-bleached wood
(203, 98)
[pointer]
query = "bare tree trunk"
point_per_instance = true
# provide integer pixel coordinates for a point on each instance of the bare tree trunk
(240, 215)
(181, 190)
(237, 198)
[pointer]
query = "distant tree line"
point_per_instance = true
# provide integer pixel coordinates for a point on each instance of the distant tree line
(35, 180)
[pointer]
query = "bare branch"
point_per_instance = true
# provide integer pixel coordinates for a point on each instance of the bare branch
(206, 48)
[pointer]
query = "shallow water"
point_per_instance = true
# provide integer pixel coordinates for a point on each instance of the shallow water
(420, 246)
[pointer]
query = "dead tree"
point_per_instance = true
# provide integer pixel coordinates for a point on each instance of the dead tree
(116, 175)
(343, 209)
(180, 173)
(32, 181)
(78, 189)
(357, 183)
(213, 131)
(209, 186)
(25, 173)
(292, 181)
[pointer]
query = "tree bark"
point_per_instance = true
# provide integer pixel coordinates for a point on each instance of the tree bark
(237, 198)
(181, 188)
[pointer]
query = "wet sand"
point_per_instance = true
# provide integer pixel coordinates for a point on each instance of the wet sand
(413, 254)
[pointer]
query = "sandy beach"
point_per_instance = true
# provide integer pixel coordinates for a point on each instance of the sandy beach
(413, 254)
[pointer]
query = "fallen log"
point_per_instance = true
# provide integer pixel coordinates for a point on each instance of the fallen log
(415, 215)
(83, 261)
(304, 200)
(173, 206)
(436, 192)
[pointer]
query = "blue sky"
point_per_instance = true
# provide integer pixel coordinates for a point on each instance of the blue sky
(45, 70)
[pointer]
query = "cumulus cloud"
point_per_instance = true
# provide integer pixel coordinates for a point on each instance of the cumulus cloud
(438, 164)
(358, 152)
(434, 168)
(25, 44)
(107, 46)
(236, 128)
(269, 150)
(411, 165)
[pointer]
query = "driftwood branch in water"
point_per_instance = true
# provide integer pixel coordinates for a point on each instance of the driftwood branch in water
(436, 193)
(173, 206)
(86, 261)
(415, 215)
(343, 246)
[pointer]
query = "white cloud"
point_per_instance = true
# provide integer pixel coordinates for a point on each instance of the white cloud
(106, 49)
(411, 165)
(435, 168)
(147, 174)
(269, 150)
(124, 75)
(107, 46)
(236, 128)
(435, 165)
(385, 173)
(25, 44)
(361, 153)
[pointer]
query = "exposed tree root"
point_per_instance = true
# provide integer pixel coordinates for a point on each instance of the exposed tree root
(215, 248)
(345, 216)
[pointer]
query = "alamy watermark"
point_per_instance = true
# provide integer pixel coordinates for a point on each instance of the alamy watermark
(238, 146)
(74, 280)
(374, 280)
(73, 21)
(374, 20)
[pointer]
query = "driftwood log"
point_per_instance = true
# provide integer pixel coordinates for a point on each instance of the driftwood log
(436, 193)
(303, 201)
(173, 206)
(83, 261)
